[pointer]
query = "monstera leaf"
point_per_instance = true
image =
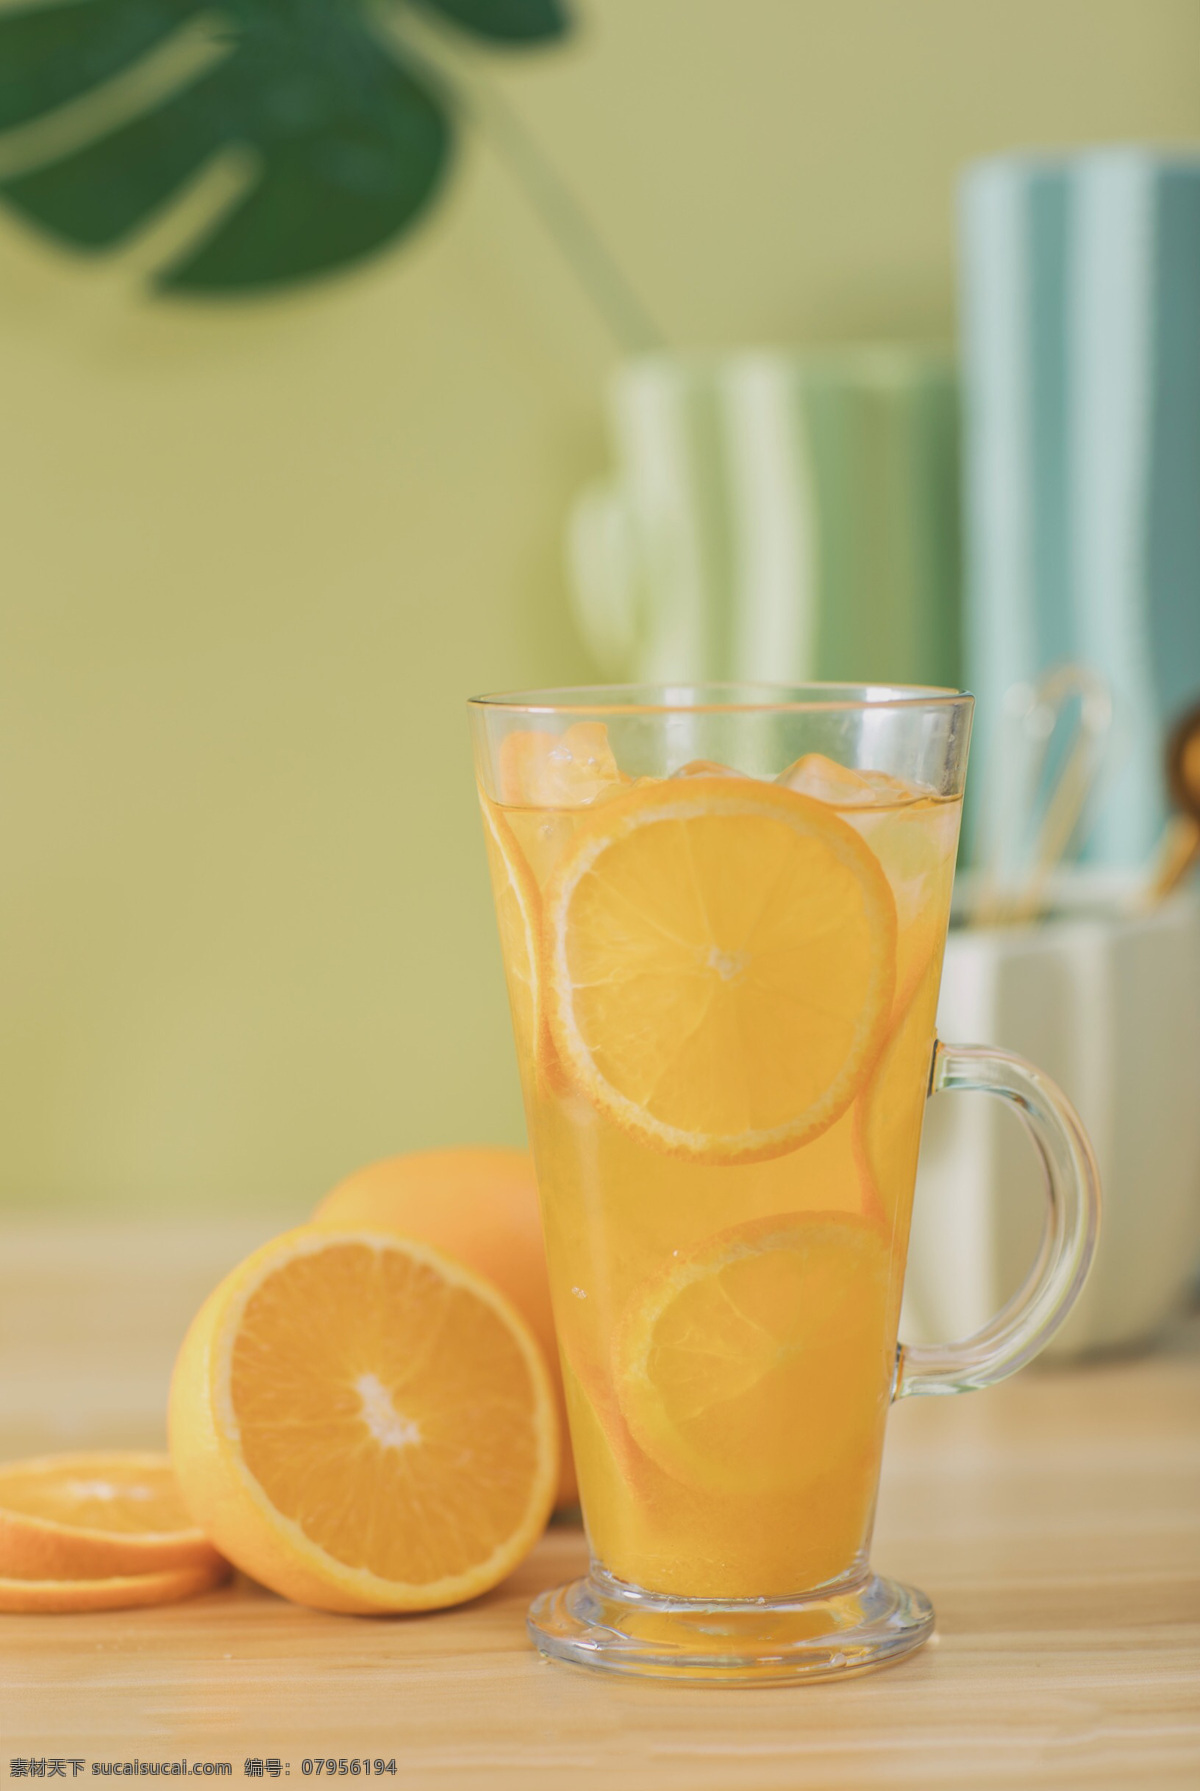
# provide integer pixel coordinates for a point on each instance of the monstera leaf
(349, 140)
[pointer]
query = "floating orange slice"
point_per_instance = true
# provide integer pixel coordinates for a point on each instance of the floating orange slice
(719, 965)
(96, 1515)
(519, 918)
(363, 1424)
(518, 915)
(121, 1592)
(759, 1361)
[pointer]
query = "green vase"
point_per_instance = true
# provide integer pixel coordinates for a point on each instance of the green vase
(781, 516)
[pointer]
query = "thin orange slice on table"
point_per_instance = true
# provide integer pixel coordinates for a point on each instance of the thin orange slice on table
(759, 1361)
(363, 1424)
(719, 962)
(119, 1593)
(519, 919)
(96, 1515)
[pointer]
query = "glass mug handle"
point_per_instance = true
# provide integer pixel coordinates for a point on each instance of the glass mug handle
(1026, 1324)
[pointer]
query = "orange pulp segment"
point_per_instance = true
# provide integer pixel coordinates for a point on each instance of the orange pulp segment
(363, 1424)
(719, 962)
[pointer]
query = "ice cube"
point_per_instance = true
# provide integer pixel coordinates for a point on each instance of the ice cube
(827, 781)
(567, 770)
(707, 768)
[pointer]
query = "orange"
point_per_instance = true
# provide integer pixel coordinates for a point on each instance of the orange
(363, 1424)
(719, 962)
(96, 1515)
(119, 1593)
(479, 1205)
(757, 1362)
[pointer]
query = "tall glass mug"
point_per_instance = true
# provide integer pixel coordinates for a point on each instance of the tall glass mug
(723, 912)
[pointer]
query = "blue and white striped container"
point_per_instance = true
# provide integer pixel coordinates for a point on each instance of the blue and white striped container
(1081, 327)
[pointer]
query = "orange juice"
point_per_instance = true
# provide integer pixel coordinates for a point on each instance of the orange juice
(723, 990)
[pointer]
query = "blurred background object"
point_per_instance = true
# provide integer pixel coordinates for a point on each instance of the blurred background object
(1180, 845)
(776, 515)
(258, 551)
(1108, 1005)
(1050, 754)
(334, 129)
(1081, 291)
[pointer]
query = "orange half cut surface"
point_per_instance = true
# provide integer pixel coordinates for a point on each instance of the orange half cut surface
(364, 1424)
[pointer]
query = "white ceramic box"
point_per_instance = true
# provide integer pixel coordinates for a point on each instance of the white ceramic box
(1109, 1006)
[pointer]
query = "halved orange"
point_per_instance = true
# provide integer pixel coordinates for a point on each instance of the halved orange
(480, 1205)
(719, 963)
(758, 1361)
(119, 1593)
(96, 1515)
(363, 1424)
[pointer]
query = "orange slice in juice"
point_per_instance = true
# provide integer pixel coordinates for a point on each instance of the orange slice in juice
(719, 963)
(364, 1424)
(519, 918)
(758, 1361)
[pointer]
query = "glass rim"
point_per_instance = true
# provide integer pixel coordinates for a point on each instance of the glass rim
(731, 698)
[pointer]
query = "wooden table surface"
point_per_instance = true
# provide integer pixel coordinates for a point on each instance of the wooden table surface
(1055, 1521)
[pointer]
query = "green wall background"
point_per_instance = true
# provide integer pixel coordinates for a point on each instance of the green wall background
(256, 556)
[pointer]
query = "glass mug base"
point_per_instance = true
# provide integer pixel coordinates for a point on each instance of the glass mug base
(610, 1626)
